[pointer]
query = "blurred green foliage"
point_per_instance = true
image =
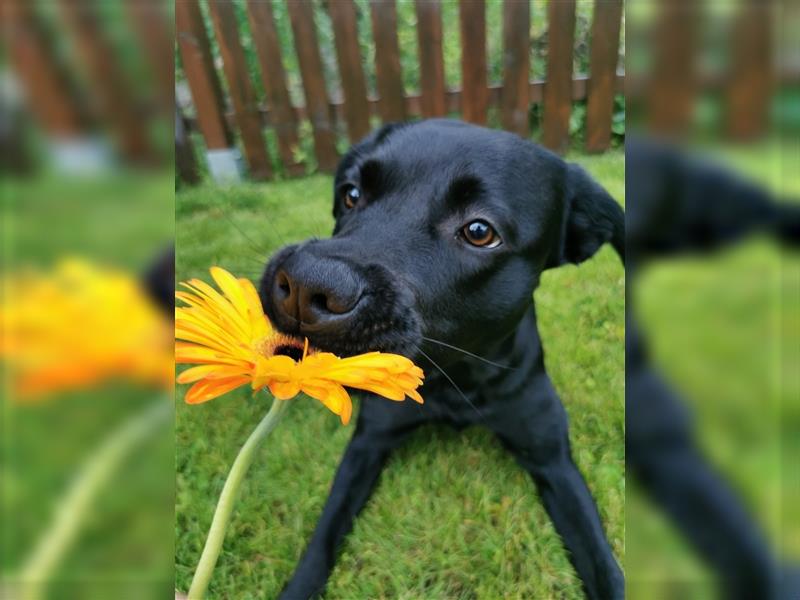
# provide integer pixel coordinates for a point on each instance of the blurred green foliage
(123, 220)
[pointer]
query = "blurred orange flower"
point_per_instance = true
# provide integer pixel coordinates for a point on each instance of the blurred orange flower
(226, 334)
(80, 326)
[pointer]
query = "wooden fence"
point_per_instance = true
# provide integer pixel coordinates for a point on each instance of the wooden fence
(353, 114)
(662, 98)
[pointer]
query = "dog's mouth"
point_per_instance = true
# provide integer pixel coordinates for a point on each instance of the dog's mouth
(371, 332)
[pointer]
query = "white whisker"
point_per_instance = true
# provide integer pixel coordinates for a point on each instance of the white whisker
(468, 353)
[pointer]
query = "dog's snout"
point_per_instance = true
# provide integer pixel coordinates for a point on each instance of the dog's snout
(312, 291)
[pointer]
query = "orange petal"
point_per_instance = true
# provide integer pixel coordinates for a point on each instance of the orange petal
(284, 390)
(276, 364)
(211, 372)
(206, 389)
(193, 354)
(231, 288)
(262, 326)
(347, 407)
(190, 332)
(214, 320)
(387, 391)
(218, 302)
(414, 395)
(332, 395)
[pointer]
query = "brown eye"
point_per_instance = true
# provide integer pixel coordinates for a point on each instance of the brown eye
(480, 233)
(351, 196)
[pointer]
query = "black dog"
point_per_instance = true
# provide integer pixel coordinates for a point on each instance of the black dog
(442, 232)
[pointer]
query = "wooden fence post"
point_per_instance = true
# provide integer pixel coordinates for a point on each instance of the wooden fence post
(558, 86)
(48, 88)
(516, 66)
(156, 36)
(301, 15)
(431, 60)
(474, 87)
(198, 66)
(669, 89)
(388, 71)
(603, 66)
(116, 100)
(282, 114)
(751, 79)
(351, 71)
(240, 87)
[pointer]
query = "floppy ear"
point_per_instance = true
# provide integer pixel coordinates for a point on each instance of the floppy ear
(591, 218)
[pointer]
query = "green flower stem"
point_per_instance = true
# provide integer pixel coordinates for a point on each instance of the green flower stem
(222, 515)
(75, 506)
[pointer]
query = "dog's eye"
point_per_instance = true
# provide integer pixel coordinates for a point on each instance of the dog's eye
(351, 196)
(480, 233)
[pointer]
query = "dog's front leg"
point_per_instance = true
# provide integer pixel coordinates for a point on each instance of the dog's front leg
(382, 426)
(534, 428)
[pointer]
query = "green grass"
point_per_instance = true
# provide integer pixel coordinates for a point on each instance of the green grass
(453, 516)
(123, 220)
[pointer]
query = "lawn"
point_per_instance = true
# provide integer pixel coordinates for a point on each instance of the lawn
(453, 516)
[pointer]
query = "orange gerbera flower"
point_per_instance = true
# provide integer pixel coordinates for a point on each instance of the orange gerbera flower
(80, 325)
(232, 343)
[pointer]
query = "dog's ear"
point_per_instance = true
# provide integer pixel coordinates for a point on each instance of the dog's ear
(591, 218)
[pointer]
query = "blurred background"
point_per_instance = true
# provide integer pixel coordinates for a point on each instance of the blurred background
(87, 467)
(251, 91)
(713, 292)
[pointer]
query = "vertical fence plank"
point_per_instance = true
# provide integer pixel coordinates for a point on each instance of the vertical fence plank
(603, 66)
(198, 66)
(154, 30)
(670, 83)
(431, 60)
(388, 71)
(48, 88)
(558, 86)
(107, 82)
(301, 16)
(516, 65)
(750, 83)
(475, 91)
(345, 29)
(268, 48)
(243, 95)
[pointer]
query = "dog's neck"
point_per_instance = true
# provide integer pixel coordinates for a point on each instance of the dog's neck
(456, 389)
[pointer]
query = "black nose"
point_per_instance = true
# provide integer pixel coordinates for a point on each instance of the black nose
(311, 291)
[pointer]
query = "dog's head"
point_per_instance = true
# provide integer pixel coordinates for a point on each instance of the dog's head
(442, 231)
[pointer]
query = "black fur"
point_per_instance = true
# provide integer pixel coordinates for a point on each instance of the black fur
(397, 271)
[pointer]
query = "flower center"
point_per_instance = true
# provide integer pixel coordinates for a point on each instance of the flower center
(278, 344)
(293, 352)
